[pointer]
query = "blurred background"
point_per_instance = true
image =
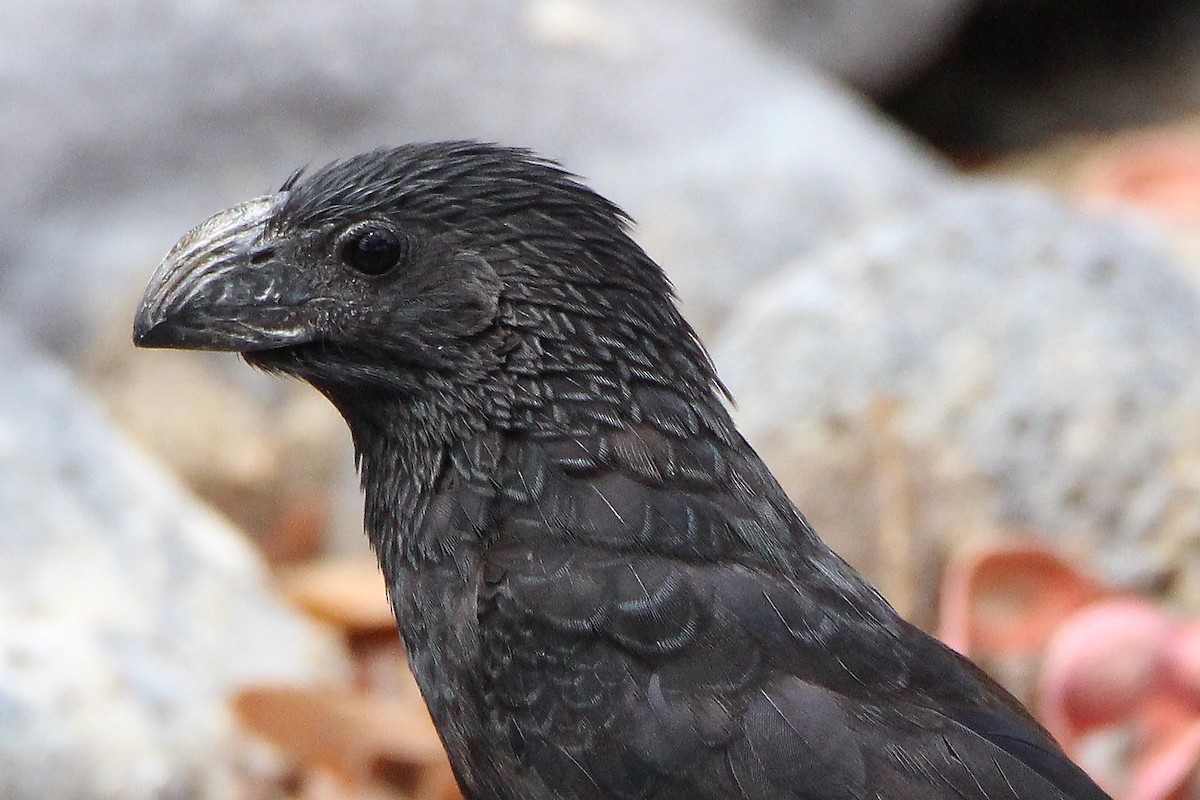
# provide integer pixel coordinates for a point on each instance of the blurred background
(946, 254)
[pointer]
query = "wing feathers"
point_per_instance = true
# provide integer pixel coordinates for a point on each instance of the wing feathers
(721, 680)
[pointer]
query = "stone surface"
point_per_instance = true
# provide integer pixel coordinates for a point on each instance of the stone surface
(732, 159)
(1047, 356)
(128, 613)
(1151, 176)
(271, 454)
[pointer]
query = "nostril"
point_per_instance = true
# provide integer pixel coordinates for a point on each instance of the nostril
(261, 256)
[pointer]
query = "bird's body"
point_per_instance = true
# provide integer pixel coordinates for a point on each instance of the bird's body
(602, 590)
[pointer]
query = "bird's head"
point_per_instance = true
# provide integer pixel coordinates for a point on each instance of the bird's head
(425, 268)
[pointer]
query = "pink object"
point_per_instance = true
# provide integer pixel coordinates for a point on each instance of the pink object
(1101, 667)
(1009, 598)
(1156, 171)
(1184, 661)
(1167, 772)
(1106, 661)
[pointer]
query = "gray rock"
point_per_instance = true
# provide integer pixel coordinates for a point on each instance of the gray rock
(1049, 356)
(128, 614)
(264, 451)
(126, 124)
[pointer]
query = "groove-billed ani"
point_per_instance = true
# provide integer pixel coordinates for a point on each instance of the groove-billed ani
(603, 591)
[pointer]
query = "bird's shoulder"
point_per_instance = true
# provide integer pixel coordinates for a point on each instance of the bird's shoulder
(645, 676)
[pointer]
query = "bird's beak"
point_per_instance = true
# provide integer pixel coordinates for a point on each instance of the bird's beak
(223, 287)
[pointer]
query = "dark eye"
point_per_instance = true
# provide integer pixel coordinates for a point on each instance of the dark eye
(373, 251)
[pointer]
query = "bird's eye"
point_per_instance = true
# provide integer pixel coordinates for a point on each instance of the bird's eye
(373, 251)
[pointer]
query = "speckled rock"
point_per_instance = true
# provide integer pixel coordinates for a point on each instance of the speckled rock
(267, 452)
(128, 613)
(1051, 355)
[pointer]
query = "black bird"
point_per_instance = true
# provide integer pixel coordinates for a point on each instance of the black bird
(603, 591)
